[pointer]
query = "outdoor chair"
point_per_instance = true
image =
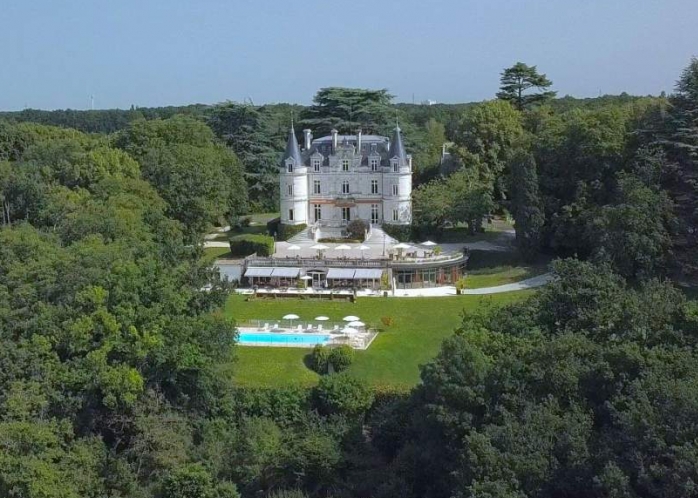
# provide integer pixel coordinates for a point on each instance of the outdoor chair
(300, 328)
(266, 326)
(319, 328)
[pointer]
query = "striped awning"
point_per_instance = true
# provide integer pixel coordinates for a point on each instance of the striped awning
(368, 273)
(258, 272)
(286, 272)
(341, 273)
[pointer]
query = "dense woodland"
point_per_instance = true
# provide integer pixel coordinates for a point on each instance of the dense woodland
(115, 377)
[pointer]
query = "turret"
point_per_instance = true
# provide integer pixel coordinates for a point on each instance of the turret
(292, 150)
(396, 147)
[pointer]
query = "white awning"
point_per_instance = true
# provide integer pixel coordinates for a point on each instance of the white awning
(286, 272)
(368, 273)
(341, 273)
(258, 272)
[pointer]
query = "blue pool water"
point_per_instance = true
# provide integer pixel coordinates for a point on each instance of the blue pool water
(271, 338)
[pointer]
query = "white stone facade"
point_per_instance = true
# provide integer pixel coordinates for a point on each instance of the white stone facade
(340, 178)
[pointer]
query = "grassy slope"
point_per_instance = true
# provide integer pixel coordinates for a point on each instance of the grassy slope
(501, 275)
(393, 359)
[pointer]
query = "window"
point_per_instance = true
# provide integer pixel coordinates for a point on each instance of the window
(290, 215)
(290, 189)
(289, 167)
(395, 190)
(318, 211)
(316, 187)
(395, 216)
(374, 186)
(374, 164)
(346, 214)
(345, 164)
(395, 168)
(374, 213)
(345, 187)
(316, 165)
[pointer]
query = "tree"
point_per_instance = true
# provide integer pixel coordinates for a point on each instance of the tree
(347, 109)
(520, 78)
(526, 205)
(488, 136)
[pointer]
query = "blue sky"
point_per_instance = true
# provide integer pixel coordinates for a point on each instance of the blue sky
(56, 53)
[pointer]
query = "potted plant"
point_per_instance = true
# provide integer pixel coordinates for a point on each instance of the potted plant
(437, 250)
(460, 285)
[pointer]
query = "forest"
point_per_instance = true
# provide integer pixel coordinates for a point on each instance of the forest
(115, 358)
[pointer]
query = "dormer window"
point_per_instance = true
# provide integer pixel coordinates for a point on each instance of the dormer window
(345, 164)
(289, 167)
(316, 165)
(374, 164)
(395, 166)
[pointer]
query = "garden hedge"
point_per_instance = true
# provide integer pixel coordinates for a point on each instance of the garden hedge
(246, 244)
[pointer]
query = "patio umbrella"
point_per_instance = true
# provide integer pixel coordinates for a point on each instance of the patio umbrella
(350, 318)
(319, 248)
(306, 277)
(322, 318)
(428, 243)
(349, 330)
(356, 323)
(402, 245)
(293, 247)
(342, 247)
(291, 317)
(362, 248)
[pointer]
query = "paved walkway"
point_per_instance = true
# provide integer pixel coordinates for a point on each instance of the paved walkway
(529, 283)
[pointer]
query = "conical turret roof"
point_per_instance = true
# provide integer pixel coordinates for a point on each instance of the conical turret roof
(397, 149)
(292, 149)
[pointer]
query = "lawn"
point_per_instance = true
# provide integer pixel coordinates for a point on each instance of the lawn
(392, 361)
(501, 275)
(211, 253)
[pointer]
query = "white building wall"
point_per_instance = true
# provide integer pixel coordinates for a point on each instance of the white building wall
(297, 200)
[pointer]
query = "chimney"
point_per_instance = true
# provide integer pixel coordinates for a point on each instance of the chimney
(308, 138)
(334, 139)
(358, 141)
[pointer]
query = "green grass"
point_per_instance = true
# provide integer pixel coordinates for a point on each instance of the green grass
(392, 361)
(501, 275)
(261, 218)
(211, 253)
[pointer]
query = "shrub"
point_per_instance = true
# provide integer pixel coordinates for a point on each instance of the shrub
(341, 358)
(437, 250)
(388, 321)
(385, 281)
(402, 233)
(320, 359)
(460, 284)
(285, 232)
(356, 229)
(342, 394)
(246, 244)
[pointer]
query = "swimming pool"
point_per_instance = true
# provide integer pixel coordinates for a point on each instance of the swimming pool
(253, 338)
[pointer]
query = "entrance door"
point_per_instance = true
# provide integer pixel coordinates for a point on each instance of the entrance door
(318, 279)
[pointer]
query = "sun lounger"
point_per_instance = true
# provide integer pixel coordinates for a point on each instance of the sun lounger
(319, 328)
(300, 328)
(266, 326)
